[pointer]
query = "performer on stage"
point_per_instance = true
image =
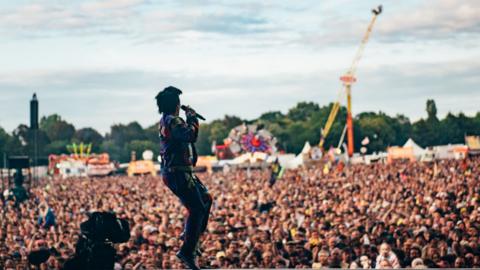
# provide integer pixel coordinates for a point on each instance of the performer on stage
(179, 156)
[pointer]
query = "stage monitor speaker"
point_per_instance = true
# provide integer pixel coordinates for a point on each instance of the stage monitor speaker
(18, 162)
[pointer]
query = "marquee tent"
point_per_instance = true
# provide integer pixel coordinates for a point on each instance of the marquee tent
(418, 151)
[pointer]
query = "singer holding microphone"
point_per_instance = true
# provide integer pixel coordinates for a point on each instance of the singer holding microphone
(177, 149)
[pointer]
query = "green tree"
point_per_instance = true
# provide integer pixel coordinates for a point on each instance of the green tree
(431, 110)
(122, 134)
(24, 138)
(302, 111)
(152, 133)
(428, 132)
(204, 142)
(231, 121)
(272, 117)
(379, 130)
(402, 128)
(11, 145)
(56, 147)
(116, 152)
(140, 146)
(56, 128)
(89, 135)
(302, 133)
(454, 128)
(4, 141)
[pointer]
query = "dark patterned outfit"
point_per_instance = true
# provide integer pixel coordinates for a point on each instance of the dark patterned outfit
(179, 156)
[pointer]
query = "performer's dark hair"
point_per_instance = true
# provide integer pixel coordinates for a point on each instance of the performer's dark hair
(168, 99)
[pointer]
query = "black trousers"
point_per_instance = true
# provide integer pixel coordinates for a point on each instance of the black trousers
(195, 197)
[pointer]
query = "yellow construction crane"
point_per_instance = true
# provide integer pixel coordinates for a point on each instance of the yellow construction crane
(347, 80)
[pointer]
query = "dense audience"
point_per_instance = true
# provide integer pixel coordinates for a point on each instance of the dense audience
(358, 216)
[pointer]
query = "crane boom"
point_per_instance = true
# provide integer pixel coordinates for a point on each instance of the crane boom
(348, 79)
(366, 37)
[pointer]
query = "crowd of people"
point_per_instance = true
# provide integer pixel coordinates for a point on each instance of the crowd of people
(398, 215)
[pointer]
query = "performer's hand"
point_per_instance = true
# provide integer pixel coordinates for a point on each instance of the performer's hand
(191, 117)
(190, 113)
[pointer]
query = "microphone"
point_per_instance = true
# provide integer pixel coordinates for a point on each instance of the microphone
(188, 109)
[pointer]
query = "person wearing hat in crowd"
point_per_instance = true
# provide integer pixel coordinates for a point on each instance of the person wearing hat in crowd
(178, 153)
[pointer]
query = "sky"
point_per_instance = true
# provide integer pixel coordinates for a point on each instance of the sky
(98, 63)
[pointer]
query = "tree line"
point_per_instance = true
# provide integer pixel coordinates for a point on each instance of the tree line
(301, 123)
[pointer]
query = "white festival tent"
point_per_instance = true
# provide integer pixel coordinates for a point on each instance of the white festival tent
(295, 162)
(306, 148)
(299, 159)
(285, 160)
(418, 151)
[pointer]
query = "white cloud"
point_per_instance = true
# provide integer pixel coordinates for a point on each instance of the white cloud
(131, 18)
(102, 6)
(433, 19)
(51, 20)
